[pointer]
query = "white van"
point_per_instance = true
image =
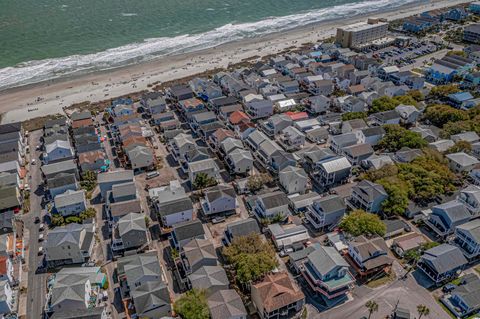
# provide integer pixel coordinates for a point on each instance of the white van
(153, 174)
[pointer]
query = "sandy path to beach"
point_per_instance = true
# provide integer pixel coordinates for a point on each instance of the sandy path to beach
(51, 97)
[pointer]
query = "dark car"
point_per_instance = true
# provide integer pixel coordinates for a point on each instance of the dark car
(37, 220)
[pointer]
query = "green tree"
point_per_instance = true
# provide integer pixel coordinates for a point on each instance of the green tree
(423, 311)
(89, 181)
(460, 146)
(442, 91)
(360, 222)
(372, 307)
(353, 115)
(416, 95)
(58, 220)
(441, 114)
(251, 257)
(398, 192)
(192, 305)
(203, 180)
(383, 103)
(397, 137)
(452, 128)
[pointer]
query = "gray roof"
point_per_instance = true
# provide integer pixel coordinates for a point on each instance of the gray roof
(175, 206)
(275, 199)
(135, 267)
(330, 204)
(358, 150)
(73, 233)
(325, 259)
(124, 189)
(455, 210)
(473, 228)
(226, 304)
(61, 179)
(346, 139)
(243, 227)
(469, 291)
(150, 295)
(463, 159)
(202, 165)
(373, 131)
(208, 277)
(229, 144)
(336, 164)
(59, 167)
(197, 250)
(204, 116)
(369, 190)
(80, 115)
(70, 197)
(444, 258)
(115, 176)
(131, 221)
(222, 190)
(70, 287)
(188, 229)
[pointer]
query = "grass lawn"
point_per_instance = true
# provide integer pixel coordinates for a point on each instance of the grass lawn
(445, 308)
(382, 281)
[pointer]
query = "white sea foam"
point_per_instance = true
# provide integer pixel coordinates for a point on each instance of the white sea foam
(129, 14)
(36, 71)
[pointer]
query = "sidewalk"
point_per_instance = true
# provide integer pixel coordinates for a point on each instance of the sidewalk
(23, 270)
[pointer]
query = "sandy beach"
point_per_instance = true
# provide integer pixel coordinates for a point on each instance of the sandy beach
(51, 97)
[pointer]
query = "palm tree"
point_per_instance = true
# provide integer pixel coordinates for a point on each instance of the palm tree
(423, 310)
(372, 307)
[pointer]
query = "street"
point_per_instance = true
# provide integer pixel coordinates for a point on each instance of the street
(37, 283)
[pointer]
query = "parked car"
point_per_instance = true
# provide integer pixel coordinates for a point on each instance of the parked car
(37, 220)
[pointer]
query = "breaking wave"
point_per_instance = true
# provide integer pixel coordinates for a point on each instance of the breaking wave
(40, 70)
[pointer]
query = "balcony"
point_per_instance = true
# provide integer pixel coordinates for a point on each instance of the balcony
(332, 288)
(357, 202)
(318, 221)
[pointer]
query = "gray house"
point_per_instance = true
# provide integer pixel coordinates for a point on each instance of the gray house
(209, 278)
(186, 231)
(132, 232)
(367, 196)
(325, 212)
(70, 203)
(70, 244)
(445, 217)
(240, 228)
(226, 304)
(293, 180)
(442, 263)
(462, 162)
(108, 179)
(198, 253)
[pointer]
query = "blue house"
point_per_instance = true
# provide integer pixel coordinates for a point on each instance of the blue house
(474, 7)
(438, 15)
(443, 70)
(419, 24)
(456, 14)
(471, 80)
(446, 217)
(460, 99)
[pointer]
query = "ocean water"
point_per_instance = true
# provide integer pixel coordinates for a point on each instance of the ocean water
(45, 39)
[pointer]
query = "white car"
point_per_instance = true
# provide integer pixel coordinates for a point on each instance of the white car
(34, 161)
(40, 237)
(41, 227)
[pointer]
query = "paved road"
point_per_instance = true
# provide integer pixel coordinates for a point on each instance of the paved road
(37, 286)
(407, 293)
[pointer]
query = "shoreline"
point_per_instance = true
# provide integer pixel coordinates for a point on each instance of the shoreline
(52, 96)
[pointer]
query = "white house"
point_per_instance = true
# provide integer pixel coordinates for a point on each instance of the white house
(293, 180)
(70, 202)
(219, 199)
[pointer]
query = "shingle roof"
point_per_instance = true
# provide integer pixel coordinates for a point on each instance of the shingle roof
(275, 199)
(444, 258)
(226, 304)
(188, 229)
(131, 221)
(207, 277)
(69, 197)
(243, 227)
(219, 191)
(326, 259)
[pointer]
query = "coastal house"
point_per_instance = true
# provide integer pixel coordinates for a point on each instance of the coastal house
(332, 171)
(240, 228)
(130, 233)
(386, 117)
(403, 244)
(108, 179)
(293, 180)
(317, 104)
(325, 212)
(277, 294)
(446, 217)
(338, 142)
(288, 236)
(367, 196)
(71, 202)
(61, 183)
(210, 279)
(154, 103)
(442, 263)
(462, 162)
(184, 232)
(371, 135)
(219, 199)
(291, 139)
(470, 197)
(239, 161)
(259, 109)
(327, 274)
(467, 238)
(271, 205)
(206, 166)
(172, 204)
(369, 255)
(70, 244)
(68, 166)
(226, 304)
(357, 153)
